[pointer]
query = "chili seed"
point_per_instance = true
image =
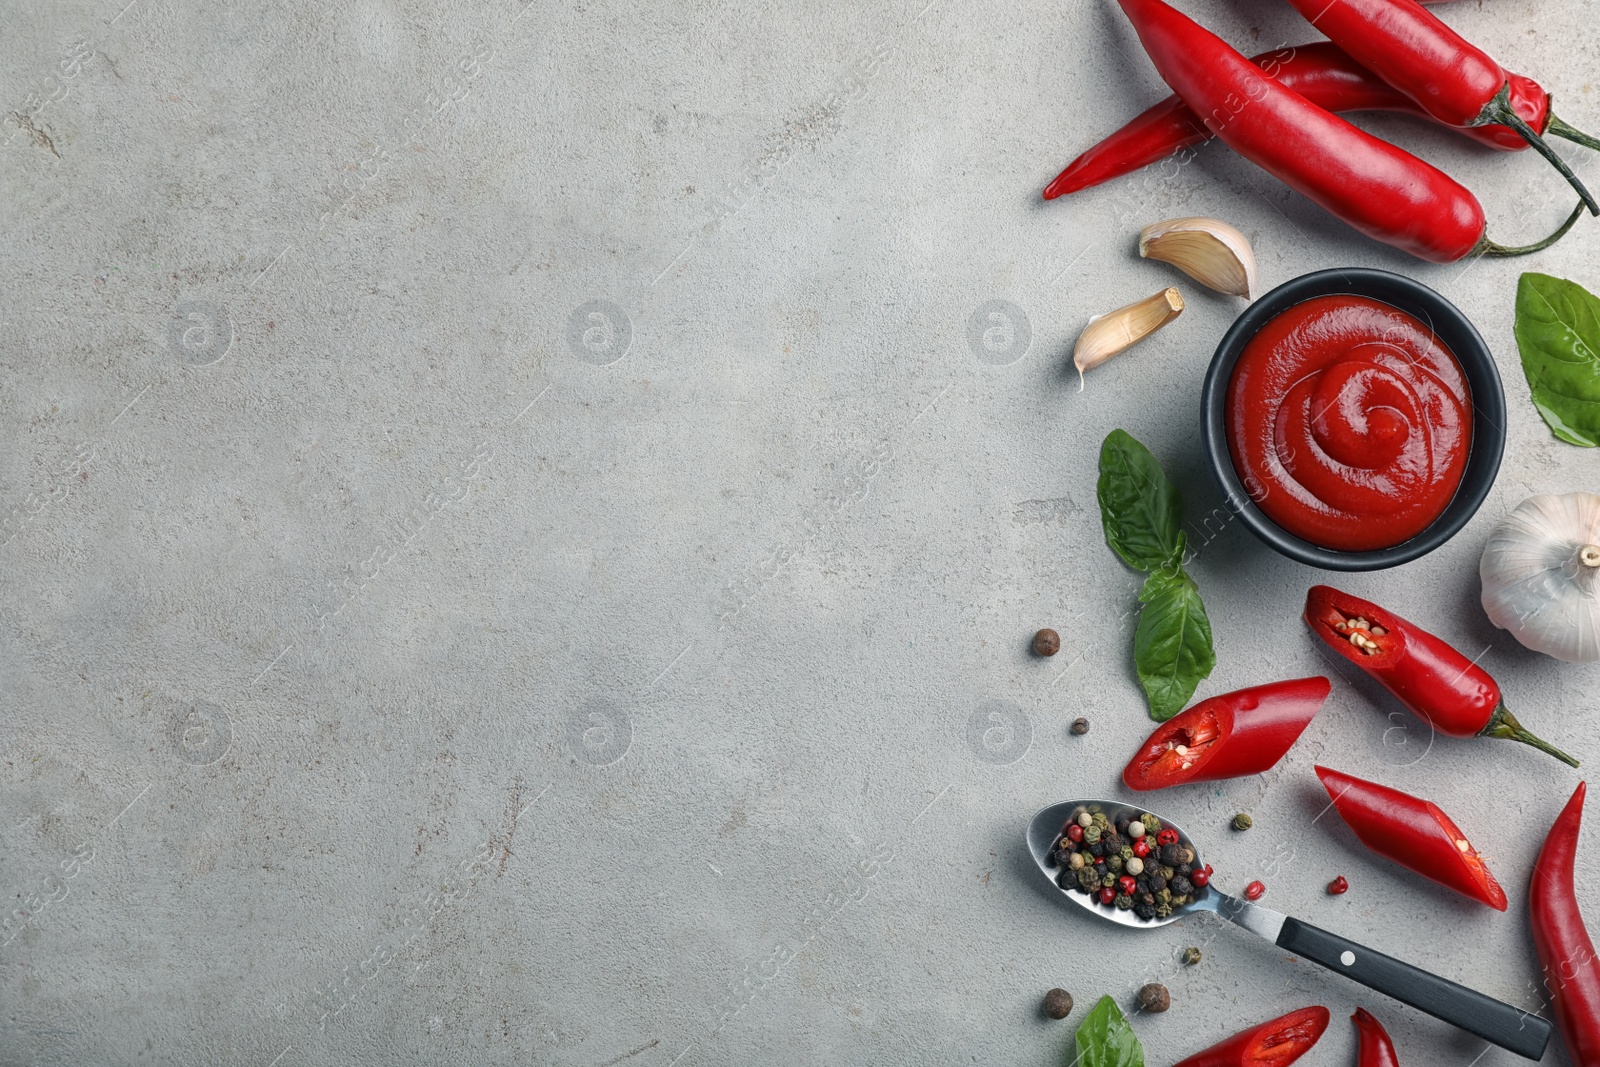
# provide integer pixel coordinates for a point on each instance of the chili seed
(1242, 821)
(1191, 956)
(1254, 890)
(1080, 726)
(1338, 885)
(1046, 643)
(1155, 998)
(1058, 1004)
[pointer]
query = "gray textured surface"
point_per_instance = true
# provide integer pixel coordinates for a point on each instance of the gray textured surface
(345, 552)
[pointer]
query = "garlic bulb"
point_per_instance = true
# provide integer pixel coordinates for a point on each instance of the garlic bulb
(1541, 575)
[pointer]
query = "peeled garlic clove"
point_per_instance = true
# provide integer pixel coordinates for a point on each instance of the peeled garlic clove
(1108, 334)
(1541, 575)
(1208, 250)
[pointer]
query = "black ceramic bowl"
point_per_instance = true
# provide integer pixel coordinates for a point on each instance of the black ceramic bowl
(1449, 325)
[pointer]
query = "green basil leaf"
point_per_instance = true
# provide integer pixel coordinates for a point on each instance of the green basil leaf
(1558, 333)
(1105, 1039)
(1172, 644)
(1140, 510)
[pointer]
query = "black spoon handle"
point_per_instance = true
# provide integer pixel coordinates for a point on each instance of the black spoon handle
(1496, 1022)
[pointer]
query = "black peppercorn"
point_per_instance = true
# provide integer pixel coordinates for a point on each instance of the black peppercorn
(1046, 643)
(1080, 726)
(1157, 883)
(1058, 1004)
(1097, 850)
(1155, 998)
(1169, 855)
(1180, 885)
(1145, 911)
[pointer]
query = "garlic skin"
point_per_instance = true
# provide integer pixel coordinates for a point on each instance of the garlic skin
(1210, 251)
(1541, 575)
(1108, 334)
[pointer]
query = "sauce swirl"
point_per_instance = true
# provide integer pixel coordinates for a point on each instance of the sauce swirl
(1349, 422)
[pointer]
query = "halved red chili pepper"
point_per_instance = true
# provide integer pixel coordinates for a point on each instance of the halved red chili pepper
(1438, 684)
(1227, 736)
(1322, 73)
(1383, 191)
(1414, 833)
(1275, 1043)
(1455, 81)
(1377, 1050)
(1571, 969)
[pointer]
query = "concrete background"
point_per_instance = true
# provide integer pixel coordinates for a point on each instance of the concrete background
(522, 525)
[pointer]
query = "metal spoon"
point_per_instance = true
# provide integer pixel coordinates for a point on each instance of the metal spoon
(1501, 1024)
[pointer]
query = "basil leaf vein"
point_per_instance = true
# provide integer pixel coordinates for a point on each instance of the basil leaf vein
(1558, 335)
(1172, 648)
(1106, 1039)
(1140, 510)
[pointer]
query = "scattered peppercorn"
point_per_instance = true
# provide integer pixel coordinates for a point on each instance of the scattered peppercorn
(1242, 821)
(1254, 890)
(1338, 885)
(1191, 955)
(1080, 726)
(1058, 1004)
(1046, 643)
(1155, 998)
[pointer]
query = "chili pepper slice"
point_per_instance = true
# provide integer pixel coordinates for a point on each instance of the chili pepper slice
(1457, 82)
(1275, 1043)
(1571, 969)
(1414, 833)
(1438, 684)
(1227, 736)
(1383, 191)
(1376, 1050)
(1322, 73)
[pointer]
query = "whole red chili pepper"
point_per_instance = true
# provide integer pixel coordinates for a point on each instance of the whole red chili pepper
(1386, 193)
(1275, 1043)
(1563, 943)
(1227, 736)
(1322, 73)
(1414, 833)
(1438, 684)
(1376, 1048)
(1455, 81)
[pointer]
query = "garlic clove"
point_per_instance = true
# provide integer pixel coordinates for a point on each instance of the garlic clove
(1541, 575)
(1208, 250)
(1108, 334)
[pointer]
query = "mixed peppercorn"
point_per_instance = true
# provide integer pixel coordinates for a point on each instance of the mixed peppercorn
(1130, 862)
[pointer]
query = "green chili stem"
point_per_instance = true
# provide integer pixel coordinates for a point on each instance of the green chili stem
(1503, 724)
(1499, 110)
(1497, 251)
(1560, 129)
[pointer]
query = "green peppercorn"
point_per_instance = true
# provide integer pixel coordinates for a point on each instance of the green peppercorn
(1100, 820)
(1123, 902)
(1109, 881)
(1114, 863)
(1126, 853)
(1167, 872)
(1092, 834)
(1152, 825)
(1088, 880)
(1242, 821)
(1191, 956)
(1163, 909)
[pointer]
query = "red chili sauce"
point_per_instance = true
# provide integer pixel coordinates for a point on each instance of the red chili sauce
(1349, 423)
